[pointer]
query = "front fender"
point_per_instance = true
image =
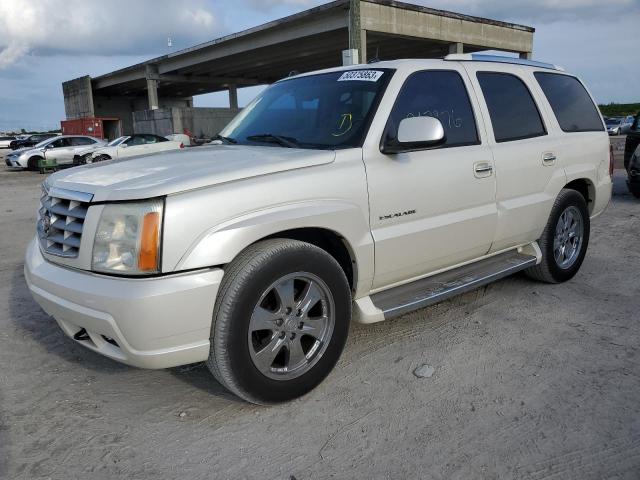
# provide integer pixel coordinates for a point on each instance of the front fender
(219, 245)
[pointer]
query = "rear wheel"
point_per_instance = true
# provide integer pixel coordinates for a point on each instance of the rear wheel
(280, 322)
(564, 240)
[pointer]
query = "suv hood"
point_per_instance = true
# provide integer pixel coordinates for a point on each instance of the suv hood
(182, 170)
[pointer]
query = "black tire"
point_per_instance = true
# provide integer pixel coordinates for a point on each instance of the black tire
(101, 158)
(244, 282)
(634, 190)
(32, 163)
(549, 270)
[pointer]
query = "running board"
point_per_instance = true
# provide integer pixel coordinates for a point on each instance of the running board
(428, 291)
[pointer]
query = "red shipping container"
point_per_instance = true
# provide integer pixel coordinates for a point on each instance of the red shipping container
(100, 127)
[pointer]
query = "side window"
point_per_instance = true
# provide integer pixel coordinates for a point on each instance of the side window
(440, 94)
(81, 141)
(570, 102)
(135, 140)
(59, 143)
(514, 114)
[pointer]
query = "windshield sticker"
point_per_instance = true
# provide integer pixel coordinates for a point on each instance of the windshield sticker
(361, 75)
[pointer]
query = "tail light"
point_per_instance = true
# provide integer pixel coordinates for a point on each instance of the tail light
(182, 146)
(611, 161)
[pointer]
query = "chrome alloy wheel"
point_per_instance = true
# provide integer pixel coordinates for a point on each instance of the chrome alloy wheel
(291, 326)
(568, 237)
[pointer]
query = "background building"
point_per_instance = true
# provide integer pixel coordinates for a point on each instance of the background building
(156, 96)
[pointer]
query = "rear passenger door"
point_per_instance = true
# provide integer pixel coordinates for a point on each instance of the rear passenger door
(524, 152)
(433, 208)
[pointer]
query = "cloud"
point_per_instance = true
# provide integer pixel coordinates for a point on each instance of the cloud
(117, 27)
(267, 5)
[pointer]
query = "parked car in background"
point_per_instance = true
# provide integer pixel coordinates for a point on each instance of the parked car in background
(632, 157)
(384, 188)
(31, 140)
(133, 146)
(62, 149)
(5, 142)
(619, 125)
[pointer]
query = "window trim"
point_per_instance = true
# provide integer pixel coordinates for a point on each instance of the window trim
(545, 131)
(385, 132)
(582, 130)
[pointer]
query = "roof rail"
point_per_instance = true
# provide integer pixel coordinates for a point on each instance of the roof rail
(480, 57)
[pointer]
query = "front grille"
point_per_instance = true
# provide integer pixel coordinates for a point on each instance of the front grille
(61, 219)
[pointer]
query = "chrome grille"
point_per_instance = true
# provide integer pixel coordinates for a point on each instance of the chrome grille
(61, 219)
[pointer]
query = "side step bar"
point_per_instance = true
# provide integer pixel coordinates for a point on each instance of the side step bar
(428, 291)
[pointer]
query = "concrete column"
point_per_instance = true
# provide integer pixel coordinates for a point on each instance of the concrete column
(152, 91)
(152, 86)
(357, 36)
(233, 96)
(526, 55)
(457, 47)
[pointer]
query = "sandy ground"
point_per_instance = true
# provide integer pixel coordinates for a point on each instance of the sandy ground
(530, 381)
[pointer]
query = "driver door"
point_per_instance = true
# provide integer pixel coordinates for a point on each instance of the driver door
(434, 208)
(60, 150)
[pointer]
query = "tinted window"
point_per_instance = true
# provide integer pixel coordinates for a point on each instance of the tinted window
(80, 141)
(153, 138)
(135, 140)
(324, 111)
(60, 142)
(570, 102)
(439, 94)
(514, 114)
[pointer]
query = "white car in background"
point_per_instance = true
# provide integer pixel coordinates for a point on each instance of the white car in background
(5, 141)
(132, 146)
(62, 149)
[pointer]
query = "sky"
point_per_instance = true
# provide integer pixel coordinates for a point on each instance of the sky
(46, 42)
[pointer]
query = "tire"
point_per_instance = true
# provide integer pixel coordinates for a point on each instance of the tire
(32, 163)
(553, 269)
(634, 190)
(247, 289)
(100, 158)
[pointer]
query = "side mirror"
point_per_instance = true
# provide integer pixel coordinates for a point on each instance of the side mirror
(49, 146)
(415, 133)
(123, 145)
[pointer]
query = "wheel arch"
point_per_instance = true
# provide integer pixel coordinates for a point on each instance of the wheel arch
(586, 188)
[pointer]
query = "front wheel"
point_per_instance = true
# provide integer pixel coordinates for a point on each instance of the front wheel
(564, 240)
(32, 163)
(280, 322)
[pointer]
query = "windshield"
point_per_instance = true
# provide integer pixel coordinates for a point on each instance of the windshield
(613, 121)
(324, 111)
(117, 141)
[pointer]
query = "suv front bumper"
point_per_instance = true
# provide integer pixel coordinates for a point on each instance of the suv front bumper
(149, 323)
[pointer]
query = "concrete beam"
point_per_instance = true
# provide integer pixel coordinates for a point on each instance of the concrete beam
(203, 79)
(390, 18)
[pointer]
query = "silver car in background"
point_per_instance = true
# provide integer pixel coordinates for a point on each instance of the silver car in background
(62, 149)
(619, 125)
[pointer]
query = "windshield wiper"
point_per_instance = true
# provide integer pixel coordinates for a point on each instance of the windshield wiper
(227, 140)
(287, 142)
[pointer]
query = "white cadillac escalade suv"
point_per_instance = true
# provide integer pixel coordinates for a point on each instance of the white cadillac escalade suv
(362, 192)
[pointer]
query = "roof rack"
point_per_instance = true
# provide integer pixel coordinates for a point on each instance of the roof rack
(480, 57)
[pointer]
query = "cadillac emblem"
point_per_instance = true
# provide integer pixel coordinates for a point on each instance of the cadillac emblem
(46, 223)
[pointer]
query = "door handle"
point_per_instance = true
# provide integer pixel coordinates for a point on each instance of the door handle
(482, 169)
(549, 159)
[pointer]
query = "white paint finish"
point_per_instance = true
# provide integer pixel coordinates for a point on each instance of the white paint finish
(127, 151)
(187, 169)
(139, 313)
(210, 226)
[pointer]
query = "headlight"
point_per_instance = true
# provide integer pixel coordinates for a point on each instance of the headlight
(128, 238)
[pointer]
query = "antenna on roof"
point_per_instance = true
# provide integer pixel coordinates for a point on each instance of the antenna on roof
(169, 42)
(376, 59)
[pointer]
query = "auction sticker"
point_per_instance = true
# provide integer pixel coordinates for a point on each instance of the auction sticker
(361, 75)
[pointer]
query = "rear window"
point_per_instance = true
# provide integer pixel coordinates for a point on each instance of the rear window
(570, 102)
(514, 114)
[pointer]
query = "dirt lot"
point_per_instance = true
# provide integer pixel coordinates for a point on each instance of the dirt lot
(531, 381)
